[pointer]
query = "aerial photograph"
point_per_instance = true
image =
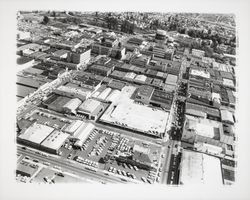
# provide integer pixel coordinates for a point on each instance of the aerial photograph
(126, 98)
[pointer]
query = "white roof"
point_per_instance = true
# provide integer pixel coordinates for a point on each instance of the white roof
(96, 94)
(200, 146)
(216, 95)
(83, 133)
(89, 105)
(72, 104)
(104, 93)
(141, 149)
(199, 168)
(226, 116)
(73, 126)
(228, 82)
(36, 133)
(131, 114)
(141, 77)
(130, 75)
(171, 78)
(113, 96)
(55, 140)
(200, 73)
(203, 127)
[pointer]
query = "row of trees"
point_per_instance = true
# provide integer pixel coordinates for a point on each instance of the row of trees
(113, 23)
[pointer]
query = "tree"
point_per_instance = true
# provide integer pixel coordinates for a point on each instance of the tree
(112, 23)
(127, 27)
(45, 20)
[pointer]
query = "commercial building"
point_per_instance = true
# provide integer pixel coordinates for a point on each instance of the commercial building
(35, 134)
(127, 114)
(171, 79)
(80, 56)
(113, 96)
(114, 84)
(73, 92)
(160, 36)
(144, 94)
(67, 45)
(72, 105)
(140, 61)
(104, 94)
(91, 108)
(60, 54)
(140, 78)
(159, 51)
(198, 53)
(100, 70)
(205, 131)
(24, 62)
(82, 134)
(57, 104)
(26, 169)
(227, 117)
(199, 168)
(199, 73)
(141, 157)
(161, 99)
(54, 141)
(99, 49)
(87, 81)
(151, 96)
(73, 127)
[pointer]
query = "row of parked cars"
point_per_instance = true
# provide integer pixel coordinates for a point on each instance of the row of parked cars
(90, 137)
(133, 167)
(99, 146)
(121, 172)
(123, 145)
(86, 162)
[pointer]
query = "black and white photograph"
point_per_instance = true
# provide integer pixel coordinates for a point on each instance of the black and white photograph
(125, 98)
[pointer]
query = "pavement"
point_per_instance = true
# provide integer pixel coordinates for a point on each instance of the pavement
(71, 167)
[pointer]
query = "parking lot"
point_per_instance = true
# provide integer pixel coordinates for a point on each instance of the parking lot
(101, 144)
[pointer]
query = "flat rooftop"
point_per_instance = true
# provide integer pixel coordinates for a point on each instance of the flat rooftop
(136, 116)
(55, 140)
(199, 168)
(36, 133)
(204, 127)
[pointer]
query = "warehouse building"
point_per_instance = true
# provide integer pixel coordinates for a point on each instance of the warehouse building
(113, 96)
(82, 134)
(73, 127)
(199, 168)
(54, 141)
(35, 134)
(58, 104)
(91, 108)
(198, 53)
(104, 94)
(171, 79)
(73, 92)
(127, 114)
(72, 105)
